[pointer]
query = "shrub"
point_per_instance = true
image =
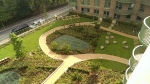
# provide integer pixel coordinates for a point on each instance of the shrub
(94, 42)
(54, 45)
(83, 15)
(109, 20)
(66, 48)
(97, 26)
(17, 45)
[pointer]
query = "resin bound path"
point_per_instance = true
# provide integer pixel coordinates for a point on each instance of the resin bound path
(69, 60)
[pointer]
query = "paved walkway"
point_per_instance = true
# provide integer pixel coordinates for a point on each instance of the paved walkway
(69, 60)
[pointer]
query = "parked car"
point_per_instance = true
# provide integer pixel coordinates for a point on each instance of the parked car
(36, 23)
(20, 29)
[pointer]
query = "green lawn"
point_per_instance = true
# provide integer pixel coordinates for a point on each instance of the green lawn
(115, 49)
(31, 41)
(112, 65)
(110, 72)
(106, 64)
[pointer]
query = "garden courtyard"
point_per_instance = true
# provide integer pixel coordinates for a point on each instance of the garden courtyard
(82, 44)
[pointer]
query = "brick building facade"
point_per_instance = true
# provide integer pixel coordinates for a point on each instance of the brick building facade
(124, 10)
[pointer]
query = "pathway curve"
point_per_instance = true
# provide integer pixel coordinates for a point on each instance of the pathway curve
(69, 60)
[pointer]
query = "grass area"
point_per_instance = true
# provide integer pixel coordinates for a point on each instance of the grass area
(32, 69)
(106, 64)
(115, 49)
(110, 72)
(31, 41)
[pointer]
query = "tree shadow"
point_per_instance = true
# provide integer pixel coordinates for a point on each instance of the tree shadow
(92, 79)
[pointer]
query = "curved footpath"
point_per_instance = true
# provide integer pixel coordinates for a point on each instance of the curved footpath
(69, 60)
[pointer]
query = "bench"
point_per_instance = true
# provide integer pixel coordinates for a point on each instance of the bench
(4, 60)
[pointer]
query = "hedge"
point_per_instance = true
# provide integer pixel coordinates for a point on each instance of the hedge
(83, 15)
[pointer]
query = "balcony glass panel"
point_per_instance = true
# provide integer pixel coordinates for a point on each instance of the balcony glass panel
(144, 34)
(137, 52)
(124, 81)
(136, 56)
(72, 2)
(118, 5)
(96, 12)
(107, 3)
(146, 2)
(127, 75)
(97, 3)
(125, 1)
(143, 14)
(85, 2)
(85, 10)
(123, 12)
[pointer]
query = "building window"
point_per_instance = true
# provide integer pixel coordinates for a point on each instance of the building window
(128, 17)
(97, 3)
(96, 12)
(85, 10)
(106, 14)
(118, 5)
(85, 2)
(141, 8)
(116, 16)
(130, 6)
(107, 3)
(138, 18)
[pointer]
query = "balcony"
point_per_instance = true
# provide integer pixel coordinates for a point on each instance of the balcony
(85, 2)
(136, 56)
(144, 34)
(127, 75)
(143, 15)
(125, 1)
(123, 12)
(145, 2)
(72, 2)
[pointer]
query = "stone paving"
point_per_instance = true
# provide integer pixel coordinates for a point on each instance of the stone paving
(69, 60)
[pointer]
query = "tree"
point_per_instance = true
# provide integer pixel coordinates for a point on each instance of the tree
(7, 9)
(17, 45)
(97, 26)
(94, 68)
(93, 77)
(23, 8)
(76, 77)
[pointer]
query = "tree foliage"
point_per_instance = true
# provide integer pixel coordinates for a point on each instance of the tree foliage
(76, 77)
(94, 67)
(17, 45)
(20, 8)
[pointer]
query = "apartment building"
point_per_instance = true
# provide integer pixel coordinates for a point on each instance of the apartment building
(124, 10)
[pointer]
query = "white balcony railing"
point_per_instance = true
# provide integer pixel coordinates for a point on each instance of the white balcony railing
(136, 56)
(144, 34)
(127, 75)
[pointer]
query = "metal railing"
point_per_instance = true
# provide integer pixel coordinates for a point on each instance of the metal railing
(144, 34)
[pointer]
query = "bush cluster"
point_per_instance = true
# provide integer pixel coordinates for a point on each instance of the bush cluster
(109, 20)
(83, 15)
(129, 24)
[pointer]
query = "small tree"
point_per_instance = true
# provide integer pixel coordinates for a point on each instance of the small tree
(94, 68)
(66, 48)
(76, 77)
(54, 45)
(17, 45)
